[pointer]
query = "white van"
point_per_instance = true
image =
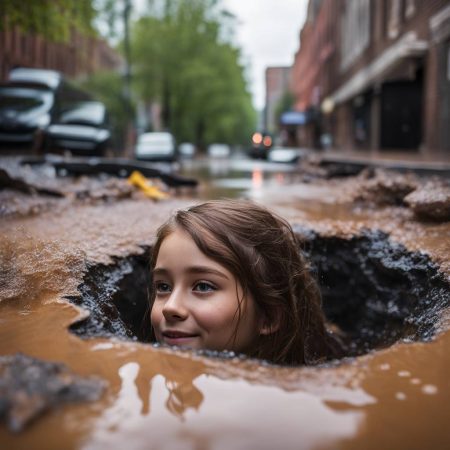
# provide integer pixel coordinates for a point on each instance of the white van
(156, 146)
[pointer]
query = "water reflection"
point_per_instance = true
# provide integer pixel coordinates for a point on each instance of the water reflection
(182, 396)
(237, 176)
(257, 178)
(160, 403)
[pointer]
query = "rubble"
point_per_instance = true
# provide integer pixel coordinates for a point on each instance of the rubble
(29, 387)
(382, 187)
(431, 201)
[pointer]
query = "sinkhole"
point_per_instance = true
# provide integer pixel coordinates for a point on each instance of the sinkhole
(374, 290)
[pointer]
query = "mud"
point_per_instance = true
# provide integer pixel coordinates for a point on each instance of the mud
(391, 397)
(31, 189)
(29, 387)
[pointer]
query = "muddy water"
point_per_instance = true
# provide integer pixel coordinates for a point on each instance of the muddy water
(162, 399)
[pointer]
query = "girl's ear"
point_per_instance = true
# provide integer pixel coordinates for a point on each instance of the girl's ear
(270, 325)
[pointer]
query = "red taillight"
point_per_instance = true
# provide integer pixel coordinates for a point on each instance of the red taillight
(267, 141)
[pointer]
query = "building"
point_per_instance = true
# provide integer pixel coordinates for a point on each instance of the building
(313, 72)
(80, 55)
(381, 79)
(278, 81)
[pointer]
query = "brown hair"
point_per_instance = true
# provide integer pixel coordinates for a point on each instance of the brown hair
(260, 249)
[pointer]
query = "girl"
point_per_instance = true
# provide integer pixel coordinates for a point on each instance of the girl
(229, 275)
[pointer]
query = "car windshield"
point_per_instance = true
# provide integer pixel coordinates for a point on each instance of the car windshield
(92, 113)
(23, 99)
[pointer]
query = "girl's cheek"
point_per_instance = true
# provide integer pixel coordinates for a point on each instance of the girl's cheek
(155, 315)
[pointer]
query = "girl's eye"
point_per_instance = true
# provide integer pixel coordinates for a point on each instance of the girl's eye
(161, 287)
(203, 286)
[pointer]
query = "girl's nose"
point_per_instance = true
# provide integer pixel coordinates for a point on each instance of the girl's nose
(174, 307)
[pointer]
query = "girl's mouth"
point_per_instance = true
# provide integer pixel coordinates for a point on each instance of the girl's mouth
(172, 337)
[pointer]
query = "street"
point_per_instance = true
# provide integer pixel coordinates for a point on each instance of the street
(74, 243)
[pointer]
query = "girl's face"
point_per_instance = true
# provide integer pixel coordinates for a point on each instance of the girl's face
(197, 300)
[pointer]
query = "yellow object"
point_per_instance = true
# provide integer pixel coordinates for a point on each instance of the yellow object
(146, 186)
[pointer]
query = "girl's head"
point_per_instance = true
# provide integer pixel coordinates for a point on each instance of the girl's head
(229, 275)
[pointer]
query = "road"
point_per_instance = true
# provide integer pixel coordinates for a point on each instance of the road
(238, 176)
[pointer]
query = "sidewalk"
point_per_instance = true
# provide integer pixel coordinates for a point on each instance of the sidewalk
(390, 160)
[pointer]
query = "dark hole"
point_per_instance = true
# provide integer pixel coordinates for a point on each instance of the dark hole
(374, 290)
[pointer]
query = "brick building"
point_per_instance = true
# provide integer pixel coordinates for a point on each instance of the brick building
(277, 85)
(81, 55)
(375, 75)
(314, 66)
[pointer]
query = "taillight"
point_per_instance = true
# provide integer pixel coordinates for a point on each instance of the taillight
(267, 141)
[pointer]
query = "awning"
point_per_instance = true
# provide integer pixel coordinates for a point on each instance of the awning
(408, 46)
(293, 118)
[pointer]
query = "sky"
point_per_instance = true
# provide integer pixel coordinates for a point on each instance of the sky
(268, 32)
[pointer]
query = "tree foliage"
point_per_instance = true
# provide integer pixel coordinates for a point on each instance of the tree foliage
(182, 59)
(49, 18)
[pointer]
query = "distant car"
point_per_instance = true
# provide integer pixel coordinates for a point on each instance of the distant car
(286, 154)
(186, 150)
(219, 150)
(82, 129)
(155, 146)
(261, 145)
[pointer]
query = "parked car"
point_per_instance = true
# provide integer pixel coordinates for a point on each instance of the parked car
(186, 150)
(30, 101)
(155, 146)
(219, 150)
(82, 129)
(24, 113)
(261, 145)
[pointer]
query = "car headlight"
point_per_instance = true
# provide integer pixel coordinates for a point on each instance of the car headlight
(102, 135)
(43, 121)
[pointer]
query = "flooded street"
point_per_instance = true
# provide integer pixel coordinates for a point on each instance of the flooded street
(87, 250)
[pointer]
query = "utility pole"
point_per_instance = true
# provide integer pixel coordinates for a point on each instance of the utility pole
(127, 77)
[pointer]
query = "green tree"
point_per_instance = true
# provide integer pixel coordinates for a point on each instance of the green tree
(182, 59)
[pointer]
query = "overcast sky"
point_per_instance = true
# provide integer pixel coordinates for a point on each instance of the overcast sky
(268, 33)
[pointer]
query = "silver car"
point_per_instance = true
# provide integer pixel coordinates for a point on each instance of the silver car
(155, 146)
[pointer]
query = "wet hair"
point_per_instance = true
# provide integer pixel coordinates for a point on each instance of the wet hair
(261, 250)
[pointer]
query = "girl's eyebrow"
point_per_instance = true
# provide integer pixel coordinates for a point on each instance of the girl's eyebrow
(193, 270)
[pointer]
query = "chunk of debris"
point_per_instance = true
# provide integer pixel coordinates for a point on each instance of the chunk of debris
(431, 201)
(16, 184)
(385, 187)
(148, 187)
(29, 387)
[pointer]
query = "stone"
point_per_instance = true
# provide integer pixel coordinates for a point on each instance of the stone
(431, 201)
(29, 387)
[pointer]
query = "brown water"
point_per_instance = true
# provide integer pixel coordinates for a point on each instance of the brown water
(157, 398)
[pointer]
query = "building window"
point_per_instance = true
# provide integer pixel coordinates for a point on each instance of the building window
(410, 8)
(356, 31)
(394, 18)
